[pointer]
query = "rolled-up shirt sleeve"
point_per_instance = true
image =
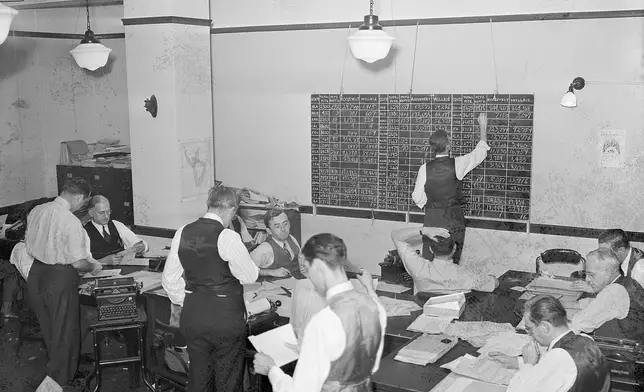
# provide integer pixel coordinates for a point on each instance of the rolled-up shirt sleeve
(418, 195)
(263, 255)
(555, 372)
(612, 302)
(172, 277)
(233, 250)
(77, 246)
(466, 163)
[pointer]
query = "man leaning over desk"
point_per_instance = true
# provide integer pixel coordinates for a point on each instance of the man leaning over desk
(571, 363)
(617, 297)
(440, 274)
(110, 240)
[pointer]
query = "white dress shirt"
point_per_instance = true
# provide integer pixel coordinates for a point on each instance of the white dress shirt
(612, 302)
(324, 342)
(127, 236)
(638, 271)
(230, 248)
(263, 255)
(55, 235)
(307, 302)
(437, 275)
(555, 372)
(463, 165)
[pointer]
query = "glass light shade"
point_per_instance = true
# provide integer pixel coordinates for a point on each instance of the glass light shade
(6, 16)
(370, 45)
(91, 56)
(569, 100)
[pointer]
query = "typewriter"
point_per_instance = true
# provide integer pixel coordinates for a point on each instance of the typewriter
(116, 298)
(392, 270)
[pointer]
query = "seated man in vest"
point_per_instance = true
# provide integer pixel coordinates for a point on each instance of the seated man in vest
(343, 342)
(278, 255)
(632, 259)
(572, 363)
(618, 297)
(110, 240)
(441, 274)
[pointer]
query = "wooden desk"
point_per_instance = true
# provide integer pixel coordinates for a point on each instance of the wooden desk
(499, 306)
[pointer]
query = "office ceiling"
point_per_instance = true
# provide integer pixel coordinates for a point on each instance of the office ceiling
(41, 4)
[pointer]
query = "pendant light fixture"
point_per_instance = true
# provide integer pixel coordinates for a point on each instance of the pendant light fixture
(370, 43)
(6, 16)
(90, 54)
(569, 100)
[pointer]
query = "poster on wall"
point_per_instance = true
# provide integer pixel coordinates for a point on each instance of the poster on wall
(612, 148)
(196, 168)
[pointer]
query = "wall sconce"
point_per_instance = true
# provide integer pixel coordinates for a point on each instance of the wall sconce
(370, 43)
(569, 99)
(90, 54)
(151, 106)
(6, 16)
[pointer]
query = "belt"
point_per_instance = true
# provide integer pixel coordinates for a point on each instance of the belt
(222, 290)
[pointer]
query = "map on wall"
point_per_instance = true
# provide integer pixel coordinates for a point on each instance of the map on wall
(196, 167)
(366, 149)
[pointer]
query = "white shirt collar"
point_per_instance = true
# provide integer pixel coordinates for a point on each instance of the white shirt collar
(441, 155)
(627, 260)
(100, 227)
(338, 288)
(558, 338)
(213, 216)
(63, 202)
(278, 242)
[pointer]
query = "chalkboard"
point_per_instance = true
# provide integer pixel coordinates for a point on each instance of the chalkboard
(366, 149)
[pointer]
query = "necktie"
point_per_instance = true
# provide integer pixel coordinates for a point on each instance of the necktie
(106, 235)
(286, 250)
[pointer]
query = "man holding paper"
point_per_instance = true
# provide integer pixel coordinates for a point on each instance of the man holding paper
(572, 362)
(111, 241)
(440, 274)
(342, 343)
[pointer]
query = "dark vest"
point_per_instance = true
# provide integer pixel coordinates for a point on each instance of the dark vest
(444, 196)
(351, 372)
(636, 254)
(282, 258)
(204, 269)
(593, 371)
(99, 247)
(632, 327)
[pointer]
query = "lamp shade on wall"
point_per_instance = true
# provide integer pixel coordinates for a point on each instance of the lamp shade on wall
(6, 16)
(569, 100)
(370, 43)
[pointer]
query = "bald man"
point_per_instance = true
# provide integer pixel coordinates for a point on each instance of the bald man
(618, 297)
(110, 240)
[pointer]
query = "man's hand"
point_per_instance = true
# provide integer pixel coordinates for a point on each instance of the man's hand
(139, 247)
(582, 285)
(531, 353)
(433, 232)
(175, 315)
(506, 360)
(366, 280)
(97, 268)
(280, 272)
(263, 363)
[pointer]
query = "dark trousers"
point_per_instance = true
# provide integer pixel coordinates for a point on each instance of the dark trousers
(215, 331)
(9, 277)
(450, 218)
(53, 295)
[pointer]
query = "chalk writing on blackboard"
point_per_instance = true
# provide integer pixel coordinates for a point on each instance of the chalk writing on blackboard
(366, 149)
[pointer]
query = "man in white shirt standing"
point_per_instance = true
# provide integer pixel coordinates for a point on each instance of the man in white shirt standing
(278, 256)
(572, 363)
(110, 240)
(204, 273)
(440, 274)
(632, 259)
(439, 183)
(343, 342)
(58, 243)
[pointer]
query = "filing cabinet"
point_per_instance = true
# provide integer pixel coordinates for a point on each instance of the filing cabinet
(113, 183)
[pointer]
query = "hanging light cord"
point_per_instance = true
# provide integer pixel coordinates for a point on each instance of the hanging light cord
(393, 23)
(413, 63)
(87, 11)
(344, 64)
(371, 7)
(496, 73)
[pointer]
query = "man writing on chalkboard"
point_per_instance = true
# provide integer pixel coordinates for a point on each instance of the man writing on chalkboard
(439, 183)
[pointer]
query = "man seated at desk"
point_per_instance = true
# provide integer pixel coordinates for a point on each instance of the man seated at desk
(110, 240)
(632, 259)
(618, 297)
(441, 274)
(278, 256)
(572, 363)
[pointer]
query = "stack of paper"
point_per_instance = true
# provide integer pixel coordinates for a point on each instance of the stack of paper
(426, 349)
(484, 369)
(148, 279)
(451, 305)
(555, 287)
(106, 273)
(508, 343)
(398, 307)
(430, 324)
(274, 344)
(477, 332)
(392, 288)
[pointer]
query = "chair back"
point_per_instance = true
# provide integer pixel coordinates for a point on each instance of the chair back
(561, 263)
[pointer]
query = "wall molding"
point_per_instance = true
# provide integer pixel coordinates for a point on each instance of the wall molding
(44, 34)
(151, 20)
(539, 17)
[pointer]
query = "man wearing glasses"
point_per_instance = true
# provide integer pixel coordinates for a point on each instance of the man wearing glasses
(110, 240)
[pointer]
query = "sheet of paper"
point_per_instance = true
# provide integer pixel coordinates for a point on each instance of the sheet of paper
(150, 280)
(392, 288)
(106, 273)
(288, 283)
(462, 384)
(429, 324)
(136, 262)
(397, 307)
(547, 285)
(467, 329)
(452, 365)
(508, 343)
(518, 288)
(485, 369)
(272, 344)
(49, 385)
